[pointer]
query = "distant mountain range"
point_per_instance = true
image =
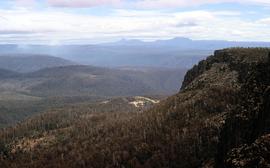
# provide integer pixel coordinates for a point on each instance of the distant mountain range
(186, 43)
(173, 53)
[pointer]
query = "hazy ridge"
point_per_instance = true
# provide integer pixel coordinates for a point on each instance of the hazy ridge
(173, 53)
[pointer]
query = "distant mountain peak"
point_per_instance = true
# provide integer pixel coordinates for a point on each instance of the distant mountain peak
(130, 40)
(181, 39)
(125, 41)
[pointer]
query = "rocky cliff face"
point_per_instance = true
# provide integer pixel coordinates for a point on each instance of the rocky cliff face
(239, 59)
(245, 117)
(251, 155)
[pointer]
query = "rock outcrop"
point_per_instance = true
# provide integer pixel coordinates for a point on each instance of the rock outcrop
(256, 154)
(245, 72)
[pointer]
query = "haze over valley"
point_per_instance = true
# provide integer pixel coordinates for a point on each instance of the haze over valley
(179, 52)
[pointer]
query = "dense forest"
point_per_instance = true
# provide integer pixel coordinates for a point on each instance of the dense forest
(219, 118)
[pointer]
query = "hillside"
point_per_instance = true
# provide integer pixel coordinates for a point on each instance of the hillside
(23, 95)
(30, 62)
(7, 74)
(81, 80)
(219, 118)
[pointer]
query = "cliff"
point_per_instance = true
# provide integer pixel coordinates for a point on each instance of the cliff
(242, 77)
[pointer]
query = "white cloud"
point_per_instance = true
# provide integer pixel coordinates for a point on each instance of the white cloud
(28, 3)
(188, 3)
(23, 25)
(264, 21)
(145, 4)
(171, 3)
(81, 3)
(148, 3)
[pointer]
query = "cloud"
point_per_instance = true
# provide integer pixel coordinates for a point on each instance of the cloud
(150, 4)
(9, 32)
(81, 3)
(138, 4)
(25, 2)
(171, 3)
(188, 3)
(186, 24)
(264, 21)
(47, 26)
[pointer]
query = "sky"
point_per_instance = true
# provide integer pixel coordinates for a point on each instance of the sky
(95, 21)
